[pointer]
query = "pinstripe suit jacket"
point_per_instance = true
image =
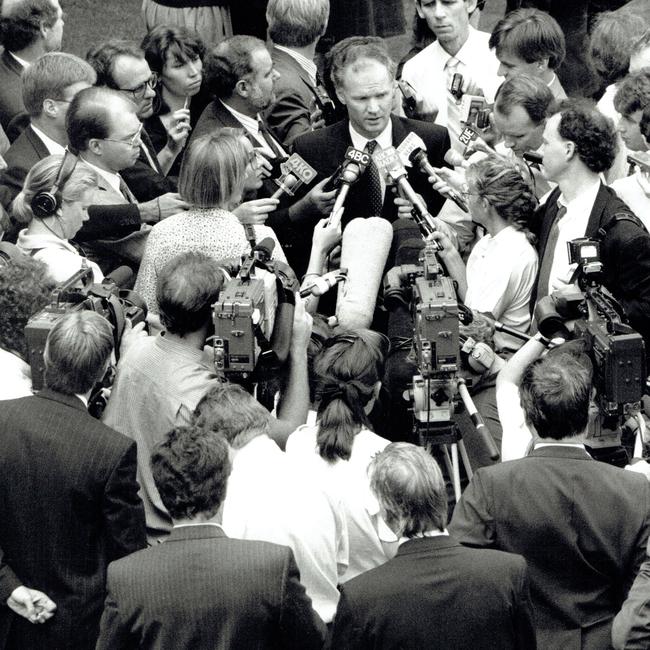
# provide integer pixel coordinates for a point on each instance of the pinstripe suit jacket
(69, 505)
(200, 589)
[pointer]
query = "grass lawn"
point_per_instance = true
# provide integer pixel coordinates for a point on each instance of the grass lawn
(90, 22)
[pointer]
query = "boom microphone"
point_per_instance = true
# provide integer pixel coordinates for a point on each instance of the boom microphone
(357, 161)
(413, 150)
(364, 251)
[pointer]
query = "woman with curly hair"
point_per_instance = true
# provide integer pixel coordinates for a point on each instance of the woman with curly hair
(347, 373)
(501, 269)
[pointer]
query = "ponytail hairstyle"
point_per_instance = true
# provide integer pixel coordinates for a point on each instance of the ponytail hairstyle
(346, 369)
(501, 184)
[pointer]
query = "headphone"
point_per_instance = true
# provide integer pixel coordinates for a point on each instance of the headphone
(46, 203)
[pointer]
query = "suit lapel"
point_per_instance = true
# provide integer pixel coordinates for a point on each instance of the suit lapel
(596, 215)
(36, 143)
(550, 209)
(11, 63)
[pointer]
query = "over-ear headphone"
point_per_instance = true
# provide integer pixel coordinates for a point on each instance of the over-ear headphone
(46, 203)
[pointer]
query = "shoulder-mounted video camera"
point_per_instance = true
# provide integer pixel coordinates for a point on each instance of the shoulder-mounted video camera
(77, 293)
(253, 317)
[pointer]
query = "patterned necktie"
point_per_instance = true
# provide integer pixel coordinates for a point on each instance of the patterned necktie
(549, 254)
(147, 147)
(453, 108)
(375, 194)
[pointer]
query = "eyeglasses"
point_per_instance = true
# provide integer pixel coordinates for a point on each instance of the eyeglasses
(133, 141)
(139, 91)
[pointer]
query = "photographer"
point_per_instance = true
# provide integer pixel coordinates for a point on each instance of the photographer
(579, 144)
(25, 288)
(160, 381)
(554, 504)
(68, 496)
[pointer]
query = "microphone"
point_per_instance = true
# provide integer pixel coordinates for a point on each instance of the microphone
(354, 165)
(414, 151)
(364, 251)
(388, 162)
(478, 421)
(323, 283)
(295, 172)
(264, 249)
(532, 157)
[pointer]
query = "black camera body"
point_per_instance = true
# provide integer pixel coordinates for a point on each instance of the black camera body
(253, 317)
(79, 293)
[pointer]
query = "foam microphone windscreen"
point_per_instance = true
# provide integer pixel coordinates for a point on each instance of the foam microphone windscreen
(407, 242)
(364, 251)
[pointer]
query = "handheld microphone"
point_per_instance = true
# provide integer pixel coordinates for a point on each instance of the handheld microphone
(635, 161)
(414, 150)
(478, 421)
(454, 159)
(295, 172)
(357, 161)
(532, 157)
(121, 277)
(388, 162)
(264, 249)
(323, 283)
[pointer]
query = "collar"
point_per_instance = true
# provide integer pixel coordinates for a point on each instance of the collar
(112, 178)
(467, 53)
(167, 344)
(426, 544)
(29, 242)
(577, 445)
(553, 450)
(249, 123)
(52, 146)
(23, 63)
(384, 139)
(308, 66)
(204, 530)
(69, 400)
(426, 533)
(83, 398)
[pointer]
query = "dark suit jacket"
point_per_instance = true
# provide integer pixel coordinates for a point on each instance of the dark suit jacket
(580, 524)
(11, 89)
(200, 590)
(289, 115)
(324, 150)
(104, 220)
(145, 182)
(625, 254)
(69, 505)
(437, 594)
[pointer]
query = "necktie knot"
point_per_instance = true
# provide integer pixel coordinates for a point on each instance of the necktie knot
(371, 146)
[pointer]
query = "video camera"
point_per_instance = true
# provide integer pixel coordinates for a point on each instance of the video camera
(616, 350)
(253, 317)
(78, 293)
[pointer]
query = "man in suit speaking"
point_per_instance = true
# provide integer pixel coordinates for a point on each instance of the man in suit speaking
(199, 589)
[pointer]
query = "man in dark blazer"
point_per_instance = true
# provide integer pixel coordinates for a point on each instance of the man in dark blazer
(579, 144)
(199, 589)
(364, 77)
(435, 593)
(294, 29)
(29, 29)
(68, 492)
(581, 525)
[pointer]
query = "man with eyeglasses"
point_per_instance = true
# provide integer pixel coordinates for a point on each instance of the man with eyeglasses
(29, 29)
(121, 65)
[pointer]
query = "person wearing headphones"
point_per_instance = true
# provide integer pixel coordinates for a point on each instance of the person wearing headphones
(54, 202)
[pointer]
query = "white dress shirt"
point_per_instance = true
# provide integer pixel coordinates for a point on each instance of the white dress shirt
(51, 146)
(251, 125)
(383, 140)
(427, 73)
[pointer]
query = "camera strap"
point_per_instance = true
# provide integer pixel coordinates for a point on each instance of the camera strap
(617, 218)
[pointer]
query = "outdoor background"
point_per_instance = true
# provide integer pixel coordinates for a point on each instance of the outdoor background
(90, 22)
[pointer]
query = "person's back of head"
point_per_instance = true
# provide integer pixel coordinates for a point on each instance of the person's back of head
(297, 23)
(190, 468)
(25, 288)
(77, 352)
(213, 171)
(555, 393)
(103, 56)
(22, 22)
(633, 93)
(611, 42)
(229, 62)
(90, 113)
(640, 53)
(530, 35)
(229, 410)
(409, 488)
(187, 287)
(347, 373)
(50, 76)
(592, 133)
(530, 93)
